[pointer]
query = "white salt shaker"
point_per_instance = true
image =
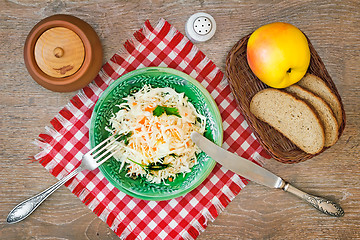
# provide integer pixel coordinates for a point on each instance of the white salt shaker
(200, 27)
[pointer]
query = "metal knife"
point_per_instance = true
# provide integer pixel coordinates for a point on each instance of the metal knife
(260, 175)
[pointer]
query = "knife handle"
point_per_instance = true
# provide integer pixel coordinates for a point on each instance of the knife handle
(323, 205)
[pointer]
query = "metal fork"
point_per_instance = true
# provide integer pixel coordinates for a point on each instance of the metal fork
(90, 161)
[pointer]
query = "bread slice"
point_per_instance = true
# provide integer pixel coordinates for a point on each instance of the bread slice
(290, 116)
(319, 87)
(323, 110)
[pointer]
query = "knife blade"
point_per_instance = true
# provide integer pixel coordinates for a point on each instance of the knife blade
(262, 176)
(237, 164)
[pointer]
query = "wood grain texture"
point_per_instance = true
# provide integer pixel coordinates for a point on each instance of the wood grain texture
(257, 212)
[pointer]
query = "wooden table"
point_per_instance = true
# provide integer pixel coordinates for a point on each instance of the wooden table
(257, 212)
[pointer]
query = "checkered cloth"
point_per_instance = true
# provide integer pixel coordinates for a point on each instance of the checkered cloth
(185, 217)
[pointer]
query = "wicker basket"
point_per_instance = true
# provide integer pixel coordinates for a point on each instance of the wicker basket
(244, 85)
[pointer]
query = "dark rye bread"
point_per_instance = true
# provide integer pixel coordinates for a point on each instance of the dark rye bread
(290, 116)
(317, 86)
(323, 110)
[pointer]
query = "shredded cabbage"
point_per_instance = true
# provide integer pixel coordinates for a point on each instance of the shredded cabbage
(156, 147)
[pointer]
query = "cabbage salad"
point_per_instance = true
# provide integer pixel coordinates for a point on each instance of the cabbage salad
(153, 128)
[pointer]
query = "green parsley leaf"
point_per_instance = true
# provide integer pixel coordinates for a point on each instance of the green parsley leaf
(172, 111)
(159, 110)
(157, 166)
(152, 166)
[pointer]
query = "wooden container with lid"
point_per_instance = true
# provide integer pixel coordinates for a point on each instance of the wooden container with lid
(63, 53)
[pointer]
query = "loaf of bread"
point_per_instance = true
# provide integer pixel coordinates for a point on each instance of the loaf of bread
(319, 87)
(290, 116)
(322, 109)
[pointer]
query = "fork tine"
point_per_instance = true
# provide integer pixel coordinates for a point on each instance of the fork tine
(102, 143)
(109, 156)
(104, 151)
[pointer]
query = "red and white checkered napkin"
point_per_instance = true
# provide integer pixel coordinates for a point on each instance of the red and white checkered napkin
(181, 218)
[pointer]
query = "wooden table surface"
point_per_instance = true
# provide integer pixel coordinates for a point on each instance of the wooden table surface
(257, 212)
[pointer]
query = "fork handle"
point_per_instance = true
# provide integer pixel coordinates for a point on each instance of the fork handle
(25, 208)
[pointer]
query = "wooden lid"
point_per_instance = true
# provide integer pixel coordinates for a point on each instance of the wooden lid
(63, 53)
(59, 52)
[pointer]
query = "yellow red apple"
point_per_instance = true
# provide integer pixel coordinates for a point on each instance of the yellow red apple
(278, 54)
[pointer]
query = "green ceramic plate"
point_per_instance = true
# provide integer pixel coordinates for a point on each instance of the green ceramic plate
(156, 77)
